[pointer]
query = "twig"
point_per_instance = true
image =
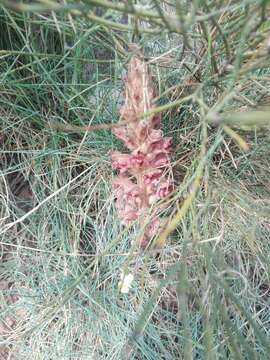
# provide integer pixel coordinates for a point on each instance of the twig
(57, 125)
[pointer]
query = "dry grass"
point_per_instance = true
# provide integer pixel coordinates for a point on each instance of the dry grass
(206, 293)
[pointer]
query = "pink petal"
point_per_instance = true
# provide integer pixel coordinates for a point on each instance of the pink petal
(152, 228)
(165, 189)
(154, 135)
(161, 159)
(123, 133)
(152, 176)
(121, 162)
(123, 184)
(161, 145)
(139, 159)
(128, 215)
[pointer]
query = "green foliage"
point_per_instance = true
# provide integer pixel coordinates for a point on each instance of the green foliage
(205, 294)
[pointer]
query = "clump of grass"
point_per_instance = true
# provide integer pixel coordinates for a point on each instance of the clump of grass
(205, 293)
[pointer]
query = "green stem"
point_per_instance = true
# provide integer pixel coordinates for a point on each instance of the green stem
(182, 211)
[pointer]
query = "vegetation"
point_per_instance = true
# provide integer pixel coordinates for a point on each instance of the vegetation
(201, 287)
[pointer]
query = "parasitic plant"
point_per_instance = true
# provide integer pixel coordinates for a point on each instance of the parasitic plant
(143, 178)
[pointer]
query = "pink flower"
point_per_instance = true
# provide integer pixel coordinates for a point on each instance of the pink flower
(122, 133)
(153, 227)
(128, 200)
(128, 214)
(165, 189)
(152, 176)
(125, 162)
(151, 230)
(143, 180)
(123, 184)
(138, 159)
(121, 162)
(161, 144)
(159, 160)
(154, 135)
